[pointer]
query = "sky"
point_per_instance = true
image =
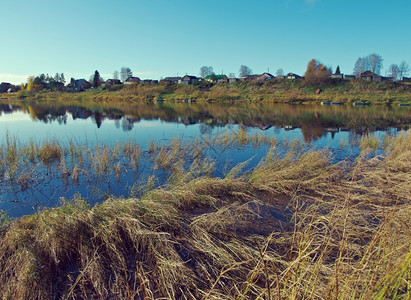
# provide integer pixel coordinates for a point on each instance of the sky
(161, 38)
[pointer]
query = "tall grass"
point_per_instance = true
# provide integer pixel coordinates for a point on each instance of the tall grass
(295, 227)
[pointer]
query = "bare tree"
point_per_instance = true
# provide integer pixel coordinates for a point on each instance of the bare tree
(359, 67)
(394, 72)
(375, 62)
(206, 71)
(231, 75)
(403, 69)
(125, 73)
(280, 72)
(245, 71)
(115, 75)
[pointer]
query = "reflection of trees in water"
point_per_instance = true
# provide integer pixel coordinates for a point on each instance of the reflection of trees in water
(313, 120)
(98, 118)
(205, 129)
(127, 124)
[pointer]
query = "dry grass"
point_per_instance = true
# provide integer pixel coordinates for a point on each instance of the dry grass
(293, 228)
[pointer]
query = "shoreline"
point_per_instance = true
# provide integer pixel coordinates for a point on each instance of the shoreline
(276, 91)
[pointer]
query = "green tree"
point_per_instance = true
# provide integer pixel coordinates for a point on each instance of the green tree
(337, 71)
(206, 71)
(96, 79)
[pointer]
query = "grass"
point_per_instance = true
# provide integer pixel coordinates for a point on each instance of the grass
(294, 227)
(346, 91)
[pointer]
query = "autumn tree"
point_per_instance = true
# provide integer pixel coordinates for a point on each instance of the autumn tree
(206, 71)
(245, 71)
(30, 83)
(317, 73)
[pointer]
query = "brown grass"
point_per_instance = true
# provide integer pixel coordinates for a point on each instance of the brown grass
(293, 228)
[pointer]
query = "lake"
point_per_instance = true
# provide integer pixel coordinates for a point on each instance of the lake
(228, 133)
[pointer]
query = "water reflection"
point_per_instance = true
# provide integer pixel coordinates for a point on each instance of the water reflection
(241, 128)
(314, 121)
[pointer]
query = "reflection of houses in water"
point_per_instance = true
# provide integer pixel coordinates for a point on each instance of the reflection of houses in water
(333, 131)
(289, 127)
(80, 113)
(187, 120)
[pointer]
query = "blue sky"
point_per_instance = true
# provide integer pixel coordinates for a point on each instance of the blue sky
(168, 37)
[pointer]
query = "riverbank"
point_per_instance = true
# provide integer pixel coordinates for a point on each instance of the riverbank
(293, 227)
(275, 91)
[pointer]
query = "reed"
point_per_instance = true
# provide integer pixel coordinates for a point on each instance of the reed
(294, 227)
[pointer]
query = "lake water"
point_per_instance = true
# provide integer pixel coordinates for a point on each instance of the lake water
(338, 128)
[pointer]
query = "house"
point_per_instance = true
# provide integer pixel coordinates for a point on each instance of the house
(368, 75)
(174, 80)
(131, 80)
(81, 85)
(406, 79)
(149, 81)
(266, 76)
(188, 79)
(383, 78)
(111, 82)
(222, 80)
(4, 87)
(337, 76)
(349, 77)
(232, 79)
(292, 76)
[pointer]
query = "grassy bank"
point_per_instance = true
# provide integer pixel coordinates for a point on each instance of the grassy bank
(293, 227)
(347, 91)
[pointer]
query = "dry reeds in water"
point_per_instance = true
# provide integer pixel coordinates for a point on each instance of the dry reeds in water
(296, 227)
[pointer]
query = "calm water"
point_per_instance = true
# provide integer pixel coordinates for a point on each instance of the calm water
(338, 128)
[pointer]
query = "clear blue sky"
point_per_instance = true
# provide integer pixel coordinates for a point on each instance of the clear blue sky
(165, 37)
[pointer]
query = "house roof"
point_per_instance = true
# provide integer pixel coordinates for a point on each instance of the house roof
(189, 77)
(293, 74)
(114, 81)
(172, 78)
(132, 79)
(368, 74)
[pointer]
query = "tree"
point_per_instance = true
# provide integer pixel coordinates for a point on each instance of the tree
(245, 71)
(30, 83)
(375, 63)
(403, 69)
(125, 73)
(337, 71)
(56, 77)
(231, 75)
(372, 62)
(62, 78)
(280, 72)
(96, 79)
(206, 71)
(394, 72)
(316, 73)
(115, 75)
(359, 67)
